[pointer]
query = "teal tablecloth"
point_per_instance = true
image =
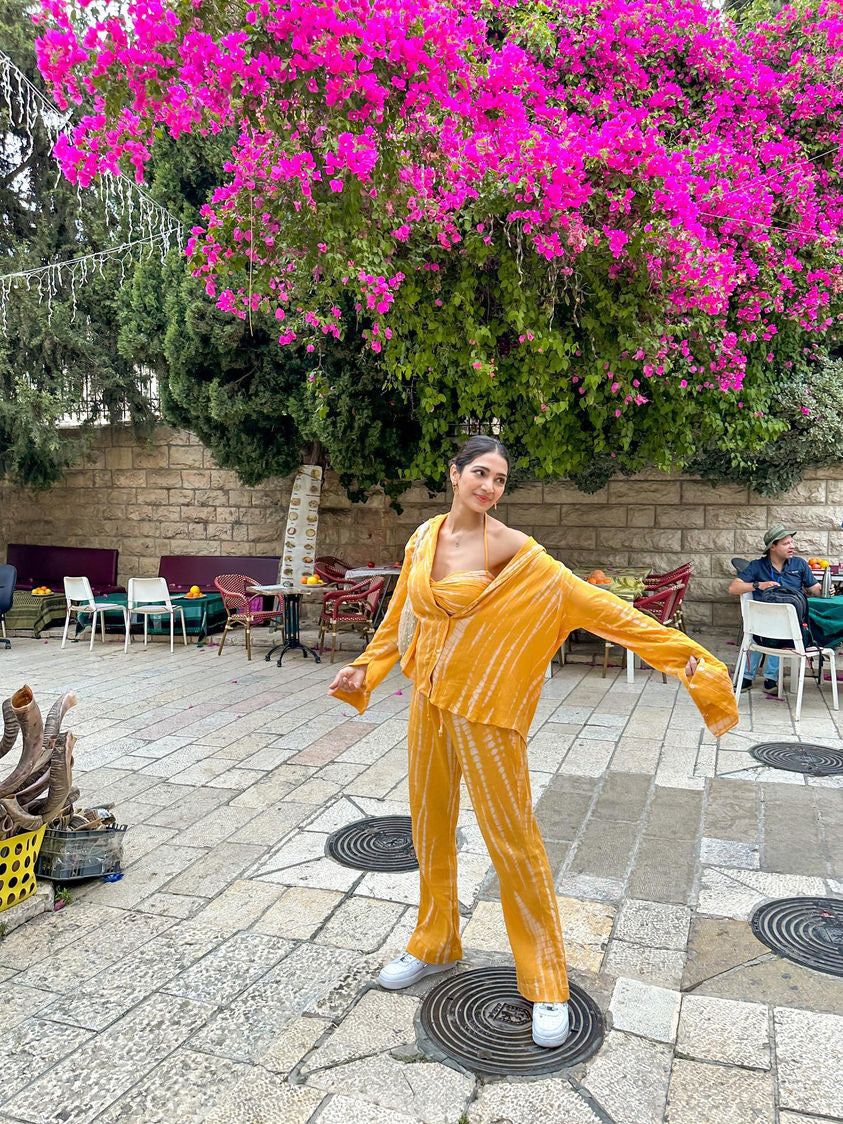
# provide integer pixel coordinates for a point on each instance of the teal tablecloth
(826, 617)
(201, 616)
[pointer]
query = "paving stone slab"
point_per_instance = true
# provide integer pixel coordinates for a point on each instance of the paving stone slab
(728, 1095)
(724, 1030)
(429, 1091)
(361, 923)
(247, 1026)
(108, 1065)
(629, 1078)
(550, 1099)
(380, 1022)
(659, 966)
(239, 905)
(646, 1010)
(229, 969)
(261, 1097)
(729, 892)
(183, 1087)
(806, 1043)
(30, 1048)
(297, 1039)
(728, 852)
(298, 913)
(655, 924)
(19, 1003)
(348, 1110)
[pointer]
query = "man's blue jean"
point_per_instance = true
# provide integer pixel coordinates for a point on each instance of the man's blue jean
(771, 667)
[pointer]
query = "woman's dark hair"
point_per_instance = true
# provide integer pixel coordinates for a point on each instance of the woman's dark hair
(475, 447)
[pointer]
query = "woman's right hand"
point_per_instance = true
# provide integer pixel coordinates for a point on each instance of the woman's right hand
(348, 679)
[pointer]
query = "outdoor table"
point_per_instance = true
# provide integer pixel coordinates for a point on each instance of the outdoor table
(390, 574)
(825, 615)
(292, 598)
(201, 614)
(35, 611)
(625, 572)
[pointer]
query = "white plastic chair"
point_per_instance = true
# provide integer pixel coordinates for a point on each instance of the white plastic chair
(80, 599)
(151, 598)
(779, 622)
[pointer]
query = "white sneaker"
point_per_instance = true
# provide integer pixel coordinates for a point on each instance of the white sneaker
(551, 1023)
(407, 969)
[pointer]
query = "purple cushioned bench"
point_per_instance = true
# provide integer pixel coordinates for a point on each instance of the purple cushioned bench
(50, 565)
(184, 570)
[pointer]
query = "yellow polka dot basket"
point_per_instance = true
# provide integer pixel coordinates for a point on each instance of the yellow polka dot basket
(17, 867)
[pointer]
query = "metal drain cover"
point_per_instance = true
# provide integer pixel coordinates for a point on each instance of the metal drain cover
(808, 931)
(379, 843)
(800, 757)
(479, 1020)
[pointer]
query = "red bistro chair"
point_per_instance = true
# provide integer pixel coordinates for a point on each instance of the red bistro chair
(658, 605)
(681, 576)
(234, 589)
(354, 607)
(332, 570)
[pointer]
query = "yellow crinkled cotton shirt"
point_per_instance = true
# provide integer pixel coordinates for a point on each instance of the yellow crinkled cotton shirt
(487, 661)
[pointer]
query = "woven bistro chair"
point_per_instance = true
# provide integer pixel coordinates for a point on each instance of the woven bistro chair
(659, 605)
(332, 570)
(236, 599)
(354, 608)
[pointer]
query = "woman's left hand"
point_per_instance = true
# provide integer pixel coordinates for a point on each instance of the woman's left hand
(691, 666)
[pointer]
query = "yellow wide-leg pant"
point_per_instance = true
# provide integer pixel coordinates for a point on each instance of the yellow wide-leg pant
(493, 761)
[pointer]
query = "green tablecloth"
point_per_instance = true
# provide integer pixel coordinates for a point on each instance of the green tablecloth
(826, 617)
(32, 613)
(201, 616)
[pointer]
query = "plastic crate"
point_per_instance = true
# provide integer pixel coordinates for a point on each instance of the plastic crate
(17, 867)
(70, 855)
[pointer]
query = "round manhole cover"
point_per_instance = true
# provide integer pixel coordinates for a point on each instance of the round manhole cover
(379, 843)
(479, 1020)
(808, 931)
(800, 757)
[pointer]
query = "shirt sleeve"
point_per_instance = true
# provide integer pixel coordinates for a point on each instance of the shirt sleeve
(666, 649)
(751, 573)
(808, 578)
(381, 655)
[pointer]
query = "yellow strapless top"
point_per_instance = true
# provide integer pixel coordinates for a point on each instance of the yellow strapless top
(456, 591)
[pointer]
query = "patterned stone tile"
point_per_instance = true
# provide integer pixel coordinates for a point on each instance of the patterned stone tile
(640, 1008)
(31, 1048)
(659, 966)
(245, 1028)
(213, 871)
(221, 975)
(629, 1078)
(183, 1087)
(298, 913)
(360, 923)
(550, 1099)
(380, 1022)
(655, 924)
(108, 1065)
(430, 1092)
(722, 1030)
(699, 1091)
(262, 1097)
(291, 1045)
(806, 1043)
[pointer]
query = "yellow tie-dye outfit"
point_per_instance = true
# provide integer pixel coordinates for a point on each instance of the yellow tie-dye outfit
(478, 659)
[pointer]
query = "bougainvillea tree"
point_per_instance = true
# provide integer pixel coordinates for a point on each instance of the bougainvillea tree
(608, 225)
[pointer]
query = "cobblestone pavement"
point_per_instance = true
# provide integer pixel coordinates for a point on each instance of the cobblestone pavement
(230, 975)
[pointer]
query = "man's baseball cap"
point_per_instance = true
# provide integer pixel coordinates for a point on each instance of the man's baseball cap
(776, 532)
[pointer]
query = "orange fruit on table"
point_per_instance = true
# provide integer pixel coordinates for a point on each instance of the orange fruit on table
(304, 579)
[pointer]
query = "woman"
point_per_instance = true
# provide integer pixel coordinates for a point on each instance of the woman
(491, 608)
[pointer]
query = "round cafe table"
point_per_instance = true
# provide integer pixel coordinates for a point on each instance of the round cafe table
(292, 597)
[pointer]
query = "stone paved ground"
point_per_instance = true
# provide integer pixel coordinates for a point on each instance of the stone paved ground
(229, 976)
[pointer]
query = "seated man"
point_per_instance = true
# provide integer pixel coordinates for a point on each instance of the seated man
(778, 565)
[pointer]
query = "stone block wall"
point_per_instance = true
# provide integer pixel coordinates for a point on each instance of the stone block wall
(168, 497)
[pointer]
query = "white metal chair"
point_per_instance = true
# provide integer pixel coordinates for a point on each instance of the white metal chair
(779, 622)
(150, 597)
(80, 599)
